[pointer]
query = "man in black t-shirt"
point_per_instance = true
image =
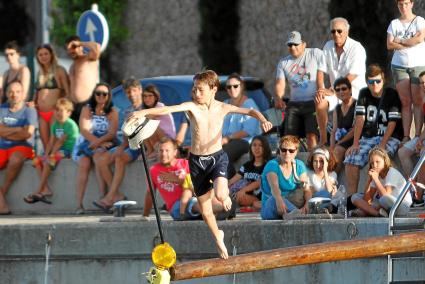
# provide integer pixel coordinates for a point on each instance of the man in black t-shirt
(378, 123)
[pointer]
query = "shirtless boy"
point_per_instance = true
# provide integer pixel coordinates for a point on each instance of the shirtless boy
(207, 160)
(84, 71)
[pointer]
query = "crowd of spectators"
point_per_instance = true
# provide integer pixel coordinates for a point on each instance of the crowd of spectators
(370, 120)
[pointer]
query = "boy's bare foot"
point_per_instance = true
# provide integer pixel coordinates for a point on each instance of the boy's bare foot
(227, 203)
(221, 247)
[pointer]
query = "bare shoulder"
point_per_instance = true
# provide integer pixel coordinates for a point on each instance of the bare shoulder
(113, 112)
(189, 106)
(219, 104)
(61, 70)
(25, 69)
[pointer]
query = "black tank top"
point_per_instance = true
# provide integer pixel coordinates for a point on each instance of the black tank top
(347, 120)
(7, 81)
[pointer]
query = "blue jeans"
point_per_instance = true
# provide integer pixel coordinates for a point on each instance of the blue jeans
(269, 211)
(175, 210)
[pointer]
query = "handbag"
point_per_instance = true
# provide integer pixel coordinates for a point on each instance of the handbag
(296, 196)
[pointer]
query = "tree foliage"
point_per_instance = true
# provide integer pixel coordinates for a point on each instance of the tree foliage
(66, 13)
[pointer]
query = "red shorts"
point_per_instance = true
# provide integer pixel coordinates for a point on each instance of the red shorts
(5, 154)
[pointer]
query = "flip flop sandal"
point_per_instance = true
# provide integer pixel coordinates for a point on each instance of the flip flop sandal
(41, 198)
(30, 199)
(105, 208)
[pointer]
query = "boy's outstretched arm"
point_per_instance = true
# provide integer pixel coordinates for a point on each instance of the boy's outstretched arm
(187, 106)
(265, 124)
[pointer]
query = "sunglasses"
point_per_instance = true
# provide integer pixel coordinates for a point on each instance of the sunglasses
(100, 93)
(284, 150)
(336, 31)
(342, 89)
(292, 44)
(374, 81)
(228, 87)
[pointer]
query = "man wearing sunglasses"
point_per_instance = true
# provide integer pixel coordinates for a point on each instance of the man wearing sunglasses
(299, 69)
(377, 123)
(342, 57)
(84, 72)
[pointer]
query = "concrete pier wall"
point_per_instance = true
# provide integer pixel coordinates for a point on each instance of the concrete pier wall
(63, 183)
(86, 250)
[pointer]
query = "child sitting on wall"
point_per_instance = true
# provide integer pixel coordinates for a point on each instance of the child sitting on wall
(321, 164)
(64, 132)
(383, 188)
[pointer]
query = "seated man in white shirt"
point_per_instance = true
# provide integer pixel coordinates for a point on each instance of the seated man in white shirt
(342, 57)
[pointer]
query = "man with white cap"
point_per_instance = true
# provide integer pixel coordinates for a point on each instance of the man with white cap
(299, 70)
(342, 57)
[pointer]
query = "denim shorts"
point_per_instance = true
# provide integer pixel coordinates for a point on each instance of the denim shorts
(175, 210)
(401, 73)
(132, 153)
(366, 144)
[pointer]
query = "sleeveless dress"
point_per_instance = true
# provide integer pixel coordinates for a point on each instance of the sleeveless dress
(99, 127)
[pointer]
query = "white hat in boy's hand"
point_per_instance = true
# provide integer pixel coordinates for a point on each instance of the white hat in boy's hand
(138, 130)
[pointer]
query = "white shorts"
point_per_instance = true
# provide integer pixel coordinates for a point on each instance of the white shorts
(333, 102)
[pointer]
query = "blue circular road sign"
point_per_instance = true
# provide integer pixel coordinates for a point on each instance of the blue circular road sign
(92, 26)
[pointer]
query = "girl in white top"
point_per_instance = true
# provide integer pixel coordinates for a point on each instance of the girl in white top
(405, 36)
(383, 188)
(322, 178)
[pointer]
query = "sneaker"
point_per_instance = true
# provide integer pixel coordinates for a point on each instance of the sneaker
(356, 213)
(383, 213)
(79, 211)
(418, 203)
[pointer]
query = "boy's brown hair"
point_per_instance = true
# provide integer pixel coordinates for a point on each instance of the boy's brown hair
(166, 139)
(208, 77)
(65, 103)
(374, 70)
(131, 82)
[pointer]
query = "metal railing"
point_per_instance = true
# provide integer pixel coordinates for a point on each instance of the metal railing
(391, 216)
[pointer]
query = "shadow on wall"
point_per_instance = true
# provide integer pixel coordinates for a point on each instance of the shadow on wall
(219, 35)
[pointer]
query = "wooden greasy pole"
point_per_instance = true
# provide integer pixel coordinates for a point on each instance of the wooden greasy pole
(300, 255)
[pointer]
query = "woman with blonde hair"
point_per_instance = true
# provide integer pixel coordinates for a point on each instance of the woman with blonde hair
(383, 188)
(51, 83)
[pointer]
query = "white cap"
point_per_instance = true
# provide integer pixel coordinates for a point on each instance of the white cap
(138, 130)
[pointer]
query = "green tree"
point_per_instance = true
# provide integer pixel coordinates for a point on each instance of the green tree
(65, 14)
